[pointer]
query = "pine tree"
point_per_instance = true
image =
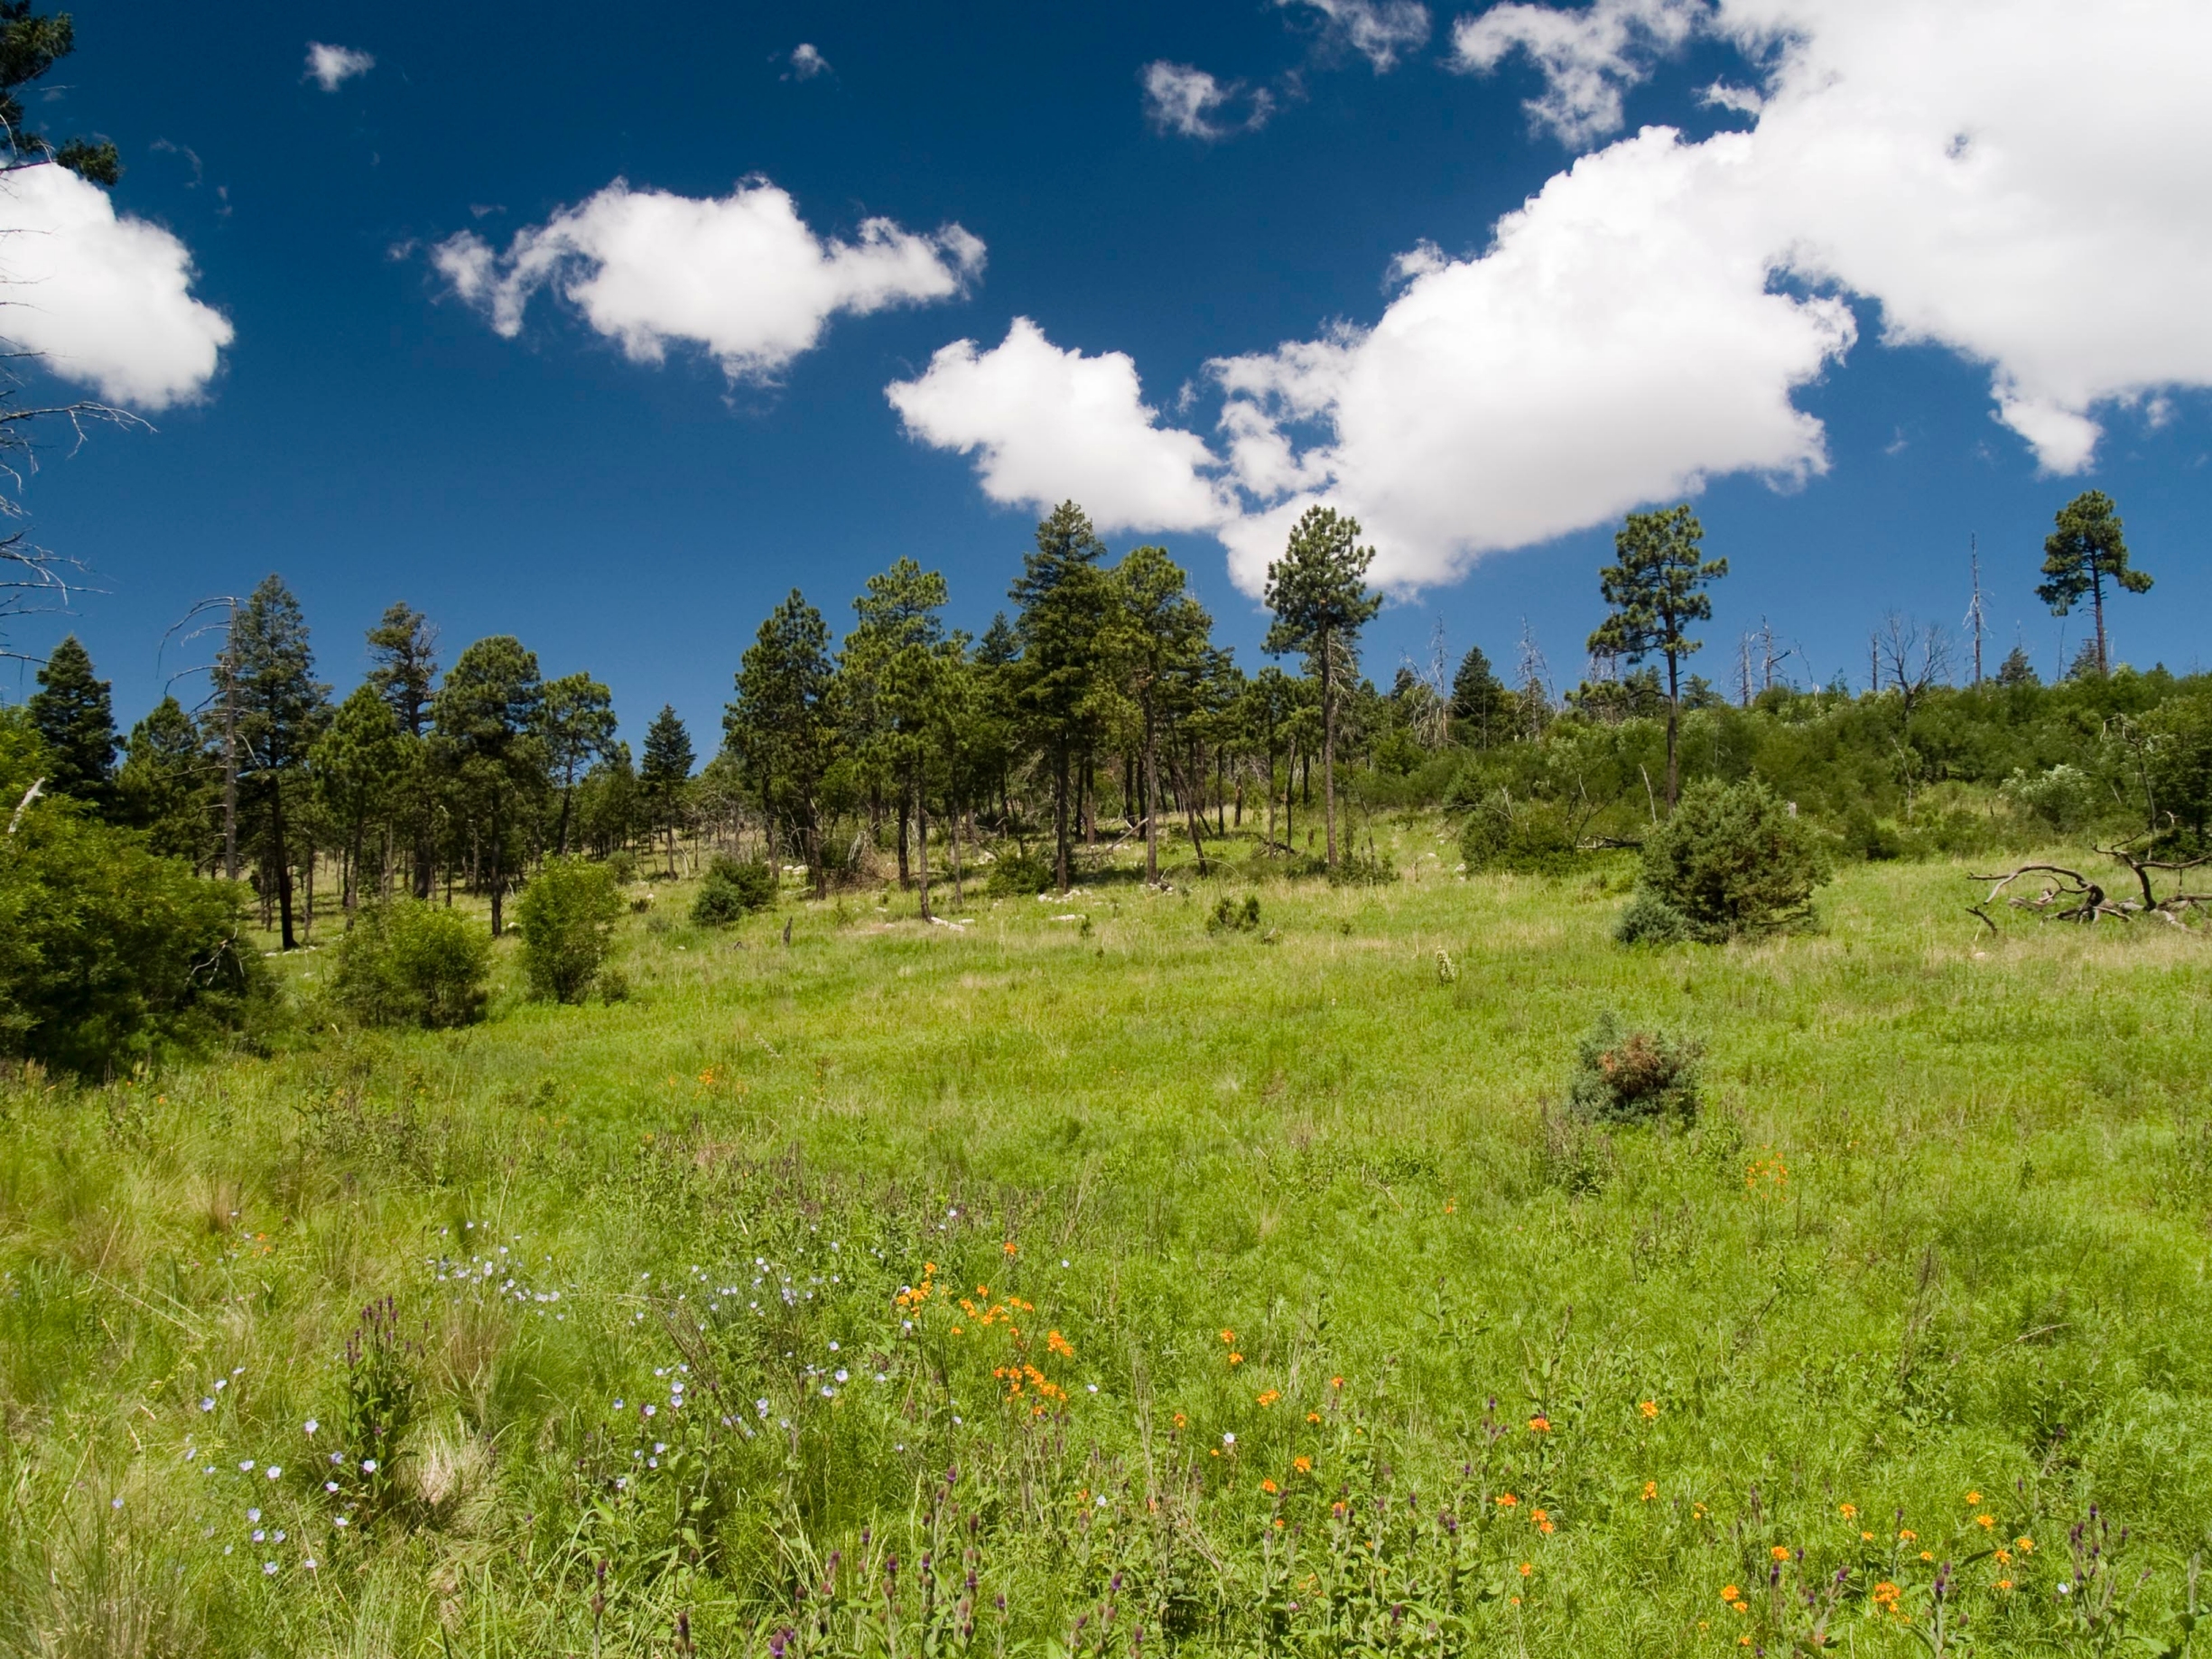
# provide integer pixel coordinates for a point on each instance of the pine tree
(1065, 603)
(2017, 669)
(779, 722)
(895, 666)
(1161, 643)
(2080, 556)
(576, 721)
(485, 738)
(668, 769)
(1656, 591)
(1319, 594)
(74, 717)
(1480, 701)
(402, 653)
(270, 668)
(166, 786)
(31, 43)
(358, 764)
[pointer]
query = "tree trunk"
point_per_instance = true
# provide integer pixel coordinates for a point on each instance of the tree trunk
(1059, 818)
(960, 893)
(1674, 716)
(2097, 589)
(906, 876)
(921, 826)
(1328, 746)
(283, 865)
(1152, 803)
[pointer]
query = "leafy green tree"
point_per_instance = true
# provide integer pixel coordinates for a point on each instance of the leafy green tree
(666, 771)
(402, 652)
(566, 918)
(1733, 860)
(2179, 731)
(408, 963)
(166, 784)
(576, 723)
(74, 715)
(32, 44)
(607, 803)
(1480, 704)
(903, 674)
(2080, 556)
(484, 734)
(269, 667)
(1319, 594)
(1656, 592)
(1064, 604)
(358, 764)
(2017, 669)
(779, 723)
(1160, 642)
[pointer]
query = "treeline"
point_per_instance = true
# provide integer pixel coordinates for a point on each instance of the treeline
(1098, 711)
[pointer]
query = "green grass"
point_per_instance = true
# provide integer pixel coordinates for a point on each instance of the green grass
(1941, 1230)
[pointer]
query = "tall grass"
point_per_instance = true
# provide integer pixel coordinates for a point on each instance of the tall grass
(1141, 1287)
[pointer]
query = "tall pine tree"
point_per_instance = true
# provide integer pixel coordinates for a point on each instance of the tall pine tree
(1656, 591)
(74, 717)
(270, 668)
(1319, 594)
(1065, 603)
(666, 771)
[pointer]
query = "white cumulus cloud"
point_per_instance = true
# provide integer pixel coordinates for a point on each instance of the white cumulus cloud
(104, 298)
(1378, 29)
(741, 276)
(1586, 56)
(1179, 98)
(1047, 424)
(1646, 320)
(807, 61)
(331, 67)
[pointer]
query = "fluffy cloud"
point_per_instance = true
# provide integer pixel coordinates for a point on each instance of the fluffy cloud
(740, 275)
(807, 61)
(1586, 57)
(1179, 98)
(1644, 321)
(104, 298)
(1046, 424)
(1378, 29)
(331, 67)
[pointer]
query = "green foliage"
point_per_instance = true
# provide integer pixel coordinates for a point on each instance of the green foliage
(1648, 920)
(566, 918)
(32, 44)
(1733, 862)
(488, 744)
(1482, 707)
(110, 954)
(1529, 837)
(75, 718)
(2064, 799)
(166, 786)
(2085, 551)
(1633, 1076)
(1230, 917)
(779, 723)
(1017, 875)
(732, 890)
(2180, 736)
(409, 962)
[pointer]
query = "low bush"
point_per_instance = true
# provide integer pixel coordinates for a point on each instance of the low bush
(566, 918)
(408, 963)
(2063, 799)
(1017, 875)
(732, 891)
(1527, 838)
(1633, 1076)
(111, 954)
(1648, 920)
(1732, 860)
(1230, 917)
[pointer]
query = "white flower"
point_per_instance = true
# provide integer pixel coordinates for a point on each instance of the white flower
(274, 1472)
(207, 1404)
(841, 1374)
(1101, 1500)
(660, 1446)
(117, 1504)
(246, 1467)
(343, 1520)
(329, 1485)
(1229, 1439)
(259, 1534)
(309, 1563)
(650, 1410)
(832, 1347)
(369, 1466)
(313, 1425)
(253, 1515)
(268, 1568)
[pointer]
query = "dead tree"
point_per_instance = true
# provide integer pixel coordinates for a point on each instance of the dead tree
(2073, 897)
(1915, 654)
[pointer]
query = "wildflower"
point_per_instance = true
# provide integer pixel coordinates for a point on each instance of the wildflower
(1649, 1408)
(1908, 1536)
(1526, 1568)
(1546, 1527)
(1985, 1521)
(369, 1466)
(1279, 1524)
(274, 1472)
(1181, 1420)
(246, 1467)
(1269, 1397)
(1236, 1359)
(1729, 1593)
(1305, 1466)
(343, 1520)
(1268, 1486)
(1229, 1439)
(1867, 1537)
(2026, 1546)
(253, 1515)
(1313, 1417)
(1650, 1490)
(311, 1426)
(1506, 1500)
(207, 1403)
(1780, 1552)
(2004, 1584)
(1974, 1497)
(268, 1570)
(329, 1485)
(1847, 1510)
(1539, 1424)
(1885, 1595)
(309, 1563)
(1927, 1555)
(2004, 1555)
(1010, 1248)
(1336, 1381)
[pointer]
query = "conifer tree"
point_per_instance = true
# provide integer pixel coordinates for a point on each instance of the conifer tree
(1161, 638)
(270, 668)
(402, 653)
(667, 768)
(2080, 556)
(359, 764)
(778, 724)
(1319, 594)
(1065, 603)
(1656, 591)
(1480, 701)
(166, 784)
(577, 721)
(485, 736)
(74, 717)
(2017, 669)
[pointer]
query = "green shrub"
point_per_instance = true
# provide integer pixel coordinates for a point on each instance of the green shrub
(408, 963)
(566, 918)
(1018, 876)
(622, 863)
(1733, 862)
(1868, 838)
(1650, 919)
(1527, 838)
(1354, 871)
(2064, 799)
(110, 954)
(1230, 917)
(732, 891)
(1631, 1076)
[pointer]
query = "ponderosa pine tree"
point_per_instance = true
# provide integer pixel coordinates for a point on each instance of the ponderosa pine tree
(1160, 646)
(778, 724)
(268, 665)
(2018, 669)
(895, 664)
(74, 717)
(32, 44)
(484, 738)
(1065, 602)
(1481, 705)
(2080, 556)
(1656, 592)
(576, 720)
(359, 765)
(402, 654)
(1319, 594)
(166, 786)
(666, 768)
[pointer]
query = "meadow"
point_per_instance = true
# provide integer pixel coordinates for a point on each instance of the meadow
(1076, 1277)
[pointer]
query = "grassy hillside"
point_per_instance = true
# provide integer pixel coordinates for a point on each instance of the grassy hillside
(1081, 1279)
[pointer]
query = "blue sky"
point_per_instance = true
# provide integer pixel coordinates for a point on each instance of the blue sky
(369, 431)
